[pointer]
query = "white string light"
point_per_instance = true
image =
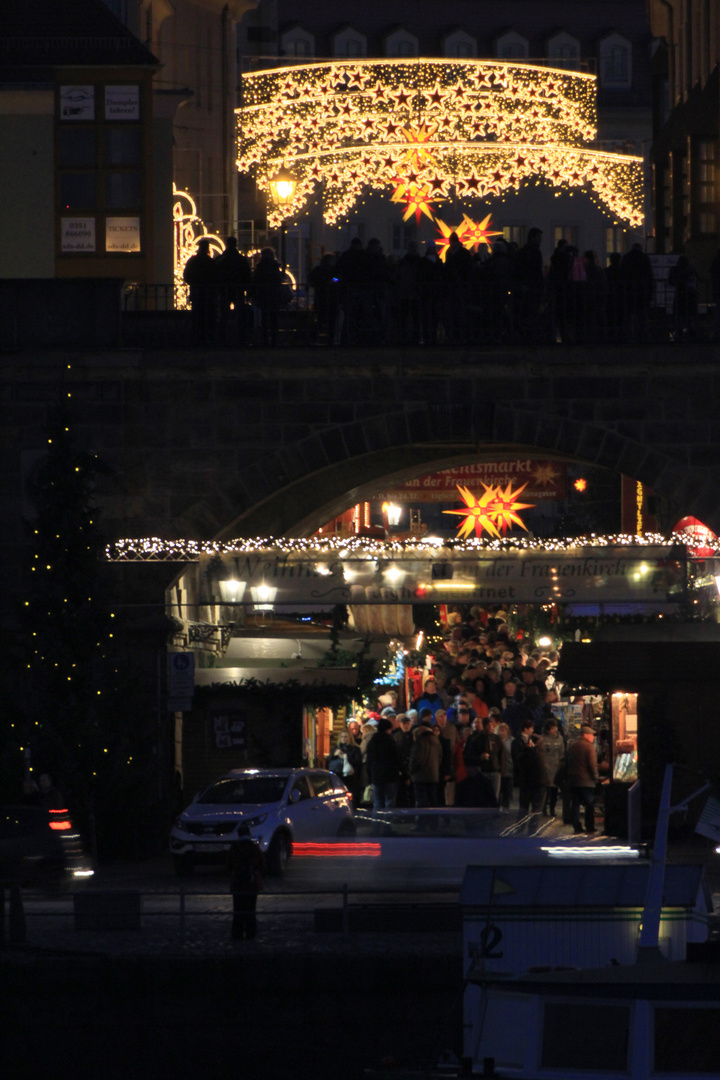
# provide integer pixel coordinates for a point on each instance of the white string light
(153, 549)
(426, 129)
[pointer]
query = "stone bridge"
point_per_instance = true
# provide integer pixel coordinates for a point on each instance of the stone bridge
(221, 444)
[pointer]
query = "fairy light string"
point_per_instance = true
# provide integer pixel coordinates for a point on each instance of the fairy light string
(428, 130)
(154, 549)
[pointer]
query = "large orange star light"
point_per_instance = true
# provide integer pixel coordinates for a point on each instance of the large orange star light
(416, 198)
(505, 506)
(446, 232)
(494, 510)
(478, 232)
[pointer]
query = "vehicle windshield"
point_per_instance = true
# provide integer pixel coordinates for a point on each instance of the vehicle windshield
(245, 789)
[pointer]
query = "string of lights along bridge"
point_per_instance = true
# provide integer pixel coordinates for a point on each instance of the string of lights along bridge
(428, 131)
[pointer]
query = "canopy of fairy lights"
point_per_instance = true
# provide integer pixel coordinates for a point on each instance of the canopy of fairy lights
(428, 131)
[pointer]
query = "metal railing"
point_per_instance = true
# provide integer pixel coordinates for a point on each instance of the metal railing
(481, 313)
(357, 908)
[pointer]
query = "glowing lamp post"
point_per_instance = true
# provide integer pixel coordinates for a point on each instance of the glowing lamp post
(282, 187)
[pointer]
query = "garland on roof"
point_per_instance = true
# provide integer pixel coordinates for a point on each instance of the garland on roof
(154, 549)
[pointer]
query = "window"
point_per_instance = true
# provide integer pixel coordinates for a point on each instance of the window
(122, 190)
(77, 191)
(564, 51)
(707, 187)
(515, 234)
(601, 1046)
(77, 147)
(615, 63)
(615, 240)
(301, 785)
(568, 233)
(297, 42)
(122, 146)
(401, 43)
(321, 784)
(687, 1040)
(459, 45)
(349, 43)
(512, 46)
(402, 235)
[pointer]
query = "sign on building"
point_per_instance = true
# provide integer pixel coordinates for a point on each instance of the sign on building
(77, 234)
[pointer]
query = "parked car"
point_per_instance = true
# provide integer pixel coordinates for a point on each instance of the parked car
(279, 806)
(40, 848)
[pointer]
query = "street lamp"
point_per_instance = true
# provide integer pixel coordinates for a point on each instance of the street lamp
(282, 186)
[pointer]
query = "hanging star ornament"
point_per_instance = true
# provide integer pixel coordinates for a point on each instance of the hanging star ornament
(416, 198)
(494, 510)
(471, 234)
(478, 232)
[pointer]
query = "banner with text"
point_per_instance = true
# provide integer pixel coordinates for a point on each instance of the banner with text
(587, 575)
(544, 479)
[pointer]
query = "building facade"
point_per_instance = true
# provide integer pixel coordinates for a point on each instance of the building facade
(686, 145)
(77, 195)
(195, 42)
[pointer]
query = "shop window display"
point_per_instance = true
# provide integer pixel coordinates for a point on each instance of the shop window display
(624, 737)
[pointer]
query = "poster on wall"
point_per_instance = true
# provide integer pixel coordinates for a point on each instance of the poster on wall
(122, 234)
(230, 730)
(77, 234)
(122, 102)
(77, 102)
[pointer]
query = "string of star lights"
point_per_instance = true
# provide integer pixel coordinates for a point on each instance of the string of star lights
(430, 130)
(152, 549)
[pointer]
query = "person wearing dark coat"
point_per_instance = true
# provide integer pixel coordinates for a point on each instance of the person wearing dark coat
(638, 284)
(582, 777)
(200, 274)
(245, 865)
(403, 736)
(425, 765)
(531, 773)
(528, 287)
(234, 277)
(383, 766)
(430, 285)
(347, 763)
(267, 293)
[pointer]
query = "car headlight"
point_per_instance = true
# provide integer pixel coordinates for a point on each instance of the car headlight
(181, 824)
(254, 821)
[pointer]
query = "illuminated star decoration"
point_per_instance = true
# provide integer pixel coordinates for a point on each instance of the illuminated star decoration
(494, 510)
(476, 233)
(468, 128)
(545, 475)
(417, 200)
(471, 234)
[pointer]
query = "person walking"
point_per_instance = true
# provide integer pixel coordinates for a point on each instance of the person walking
(582, 776)
(245, 864)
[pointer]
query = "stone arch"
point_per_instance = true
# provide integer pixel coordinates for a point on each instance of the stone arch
(295, 490)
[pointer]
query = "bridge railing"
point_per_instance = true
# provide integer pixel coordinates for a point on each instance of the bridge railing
(482, 314)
